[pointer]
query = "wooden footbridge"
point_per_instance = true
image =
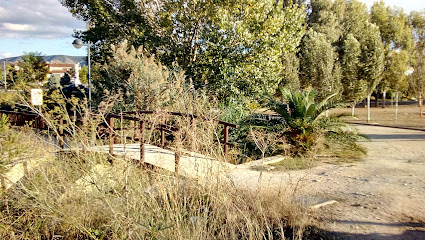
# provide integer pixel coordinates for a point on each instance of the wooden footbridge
(173, 159)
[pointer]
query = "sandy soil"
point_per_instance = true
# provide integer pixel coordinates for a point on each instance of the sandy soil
(407, 115)
(382, 197)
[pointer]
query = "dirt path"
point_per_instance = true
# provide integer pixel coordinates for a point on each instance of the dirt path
(382, 197)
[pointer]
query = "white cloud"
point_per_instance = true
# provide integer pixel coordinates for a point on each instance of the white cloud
(18, 27)
(46, 19)
(5, 55)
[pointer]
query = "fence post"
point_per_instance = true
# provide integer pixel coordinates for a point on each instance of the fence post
(111, 123)
(61, 133)
(226, 139)
(176, 160)
(142, 142)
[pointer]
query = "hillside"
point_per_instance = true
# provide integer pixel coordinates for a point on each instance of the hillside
(53, 59)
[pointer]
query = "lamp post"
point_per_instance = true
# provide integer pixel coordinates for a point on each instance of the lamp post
(77, 43)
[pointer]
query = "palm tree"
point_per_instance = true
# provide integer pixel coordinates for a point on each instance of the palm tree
(307, 120)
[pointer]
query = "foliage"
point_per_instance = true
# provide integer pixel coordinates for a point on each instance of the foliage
(83, 74)
(396, 35)
(354, 89)
(417, 21)
(306, 119)
(395, 74)
(142, 81)
(371, 57)
(234, 48)
(417, 78)
(54, 81)
(29, 73)
(9, 99)
(318, 64)
(326, 17)
(290, 73)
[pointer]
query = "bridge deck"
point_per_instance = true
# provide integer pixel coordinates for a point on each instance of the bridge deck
(191, 164)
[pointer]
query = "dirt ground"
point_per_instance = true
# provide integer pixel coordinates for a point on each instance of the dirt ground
(381, 197)
(407, 115)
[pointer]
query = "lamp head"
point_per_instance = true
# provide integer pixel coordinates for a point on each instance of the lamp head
(77, 43)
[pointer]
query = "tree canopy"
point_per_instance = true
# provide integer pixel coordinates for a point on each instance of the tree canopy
(233, 47)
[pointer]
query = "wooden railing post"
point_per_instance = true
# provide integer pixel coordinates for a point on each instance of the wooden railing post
(111, 123)
(142, 142)
(226, 139)
(176, 160)
(61, 133)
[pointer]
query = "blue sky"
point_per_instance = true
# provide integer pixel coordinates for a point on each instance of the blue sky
(46, 26)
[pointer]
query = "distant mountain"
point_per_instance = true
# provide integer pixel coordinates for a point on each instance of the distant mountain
(53, 59)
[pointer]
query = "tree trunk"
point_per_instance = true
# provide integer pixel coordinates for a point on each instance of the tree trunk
(368, 107)
(420, 105)
(384, 95)
(396, 106)
(353, 107)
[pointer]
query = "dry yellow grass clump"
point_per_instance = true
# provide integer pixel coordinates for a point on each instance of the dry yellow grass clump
(92, 195)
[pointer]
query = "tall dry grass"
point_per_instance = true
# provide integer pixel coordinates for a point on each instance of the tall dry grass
(84, 195)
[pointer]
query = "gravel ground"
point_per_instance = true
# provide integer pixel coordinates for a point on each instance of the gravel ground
(381, 197)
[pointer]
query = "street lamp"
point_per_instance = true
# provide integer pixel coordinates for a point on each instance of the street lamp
(77, 43)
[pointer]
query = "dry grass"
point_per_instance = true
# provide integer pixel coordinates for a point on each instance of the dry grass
(83, 196)
(408, 116)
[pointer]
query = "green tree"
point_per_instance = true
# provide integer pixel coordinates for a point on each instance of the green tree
(371, 60)
(235, 48)
(325, 17)
(355, 15)
(417, 78)
(317, 64)
(83, 74)
(54, 81)
(397, 65)
(290, 73)
(396, 34)
(417, 21)
(139, 80)
(354, 89)
(31, 72)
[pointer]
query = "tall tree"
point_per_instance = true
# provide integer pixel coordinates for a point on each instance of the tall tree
(233, 47)
(417, 78)
(317, 63)
(355, 15)
(325, 17)
(371, 60)
(397, 65)
(354, 88)
(291, 67)
(395, 34)
(417, 21)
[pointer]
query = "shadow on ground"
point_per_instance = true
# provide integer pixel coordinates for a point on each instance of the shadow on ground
(414, 231)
